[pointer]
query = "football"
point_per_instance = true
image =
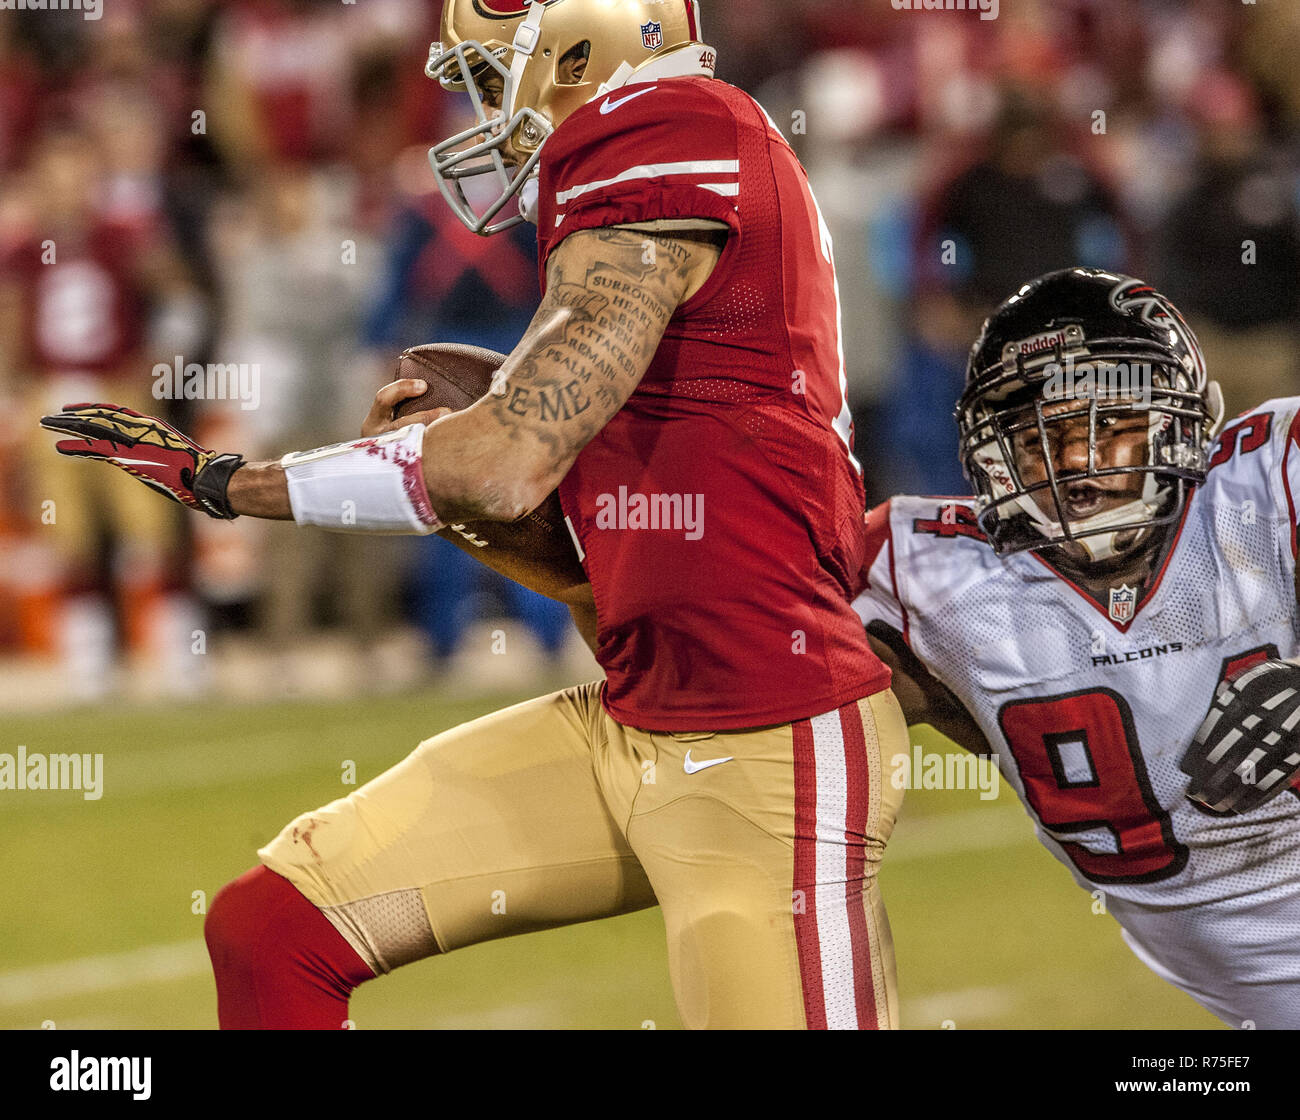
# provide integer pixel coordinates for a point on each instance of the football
(457, 375)
(536, 551)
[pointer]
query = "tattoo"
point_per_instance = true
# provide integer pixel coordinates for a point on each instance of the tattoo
(610, 295)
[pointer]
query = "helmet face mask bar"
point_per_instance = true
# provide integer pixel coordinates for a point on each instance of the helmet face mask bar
(477, 150)
(534, 47)
(1013, 409)
(1012, 514)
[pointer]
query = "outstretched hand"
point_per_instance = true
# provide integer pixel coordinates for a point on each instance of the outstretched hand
(150, 449)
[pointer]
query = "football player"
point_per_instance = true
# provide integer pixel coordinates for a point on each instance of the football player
(1077, 617)
(75, 299)
(682, 384)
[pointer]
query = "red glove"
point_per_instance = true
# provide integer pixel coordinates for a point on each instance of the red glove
(152, 450)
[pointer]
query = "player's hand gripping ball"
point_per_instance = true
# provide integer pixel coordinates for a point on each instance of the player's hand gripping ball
(537, 550)
(151, 450)
(1247, 750)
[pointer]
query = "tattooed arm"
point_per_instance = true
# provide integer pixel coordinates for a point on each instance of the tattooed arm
(609, 296)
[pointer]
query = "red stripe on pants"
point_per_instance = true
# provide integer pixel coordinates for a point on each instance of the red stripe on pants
(859, 802)
(805, 875)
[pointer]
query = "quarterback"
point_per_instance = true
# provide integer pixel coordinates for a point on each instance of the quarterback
(1109, 616)
(687, 344)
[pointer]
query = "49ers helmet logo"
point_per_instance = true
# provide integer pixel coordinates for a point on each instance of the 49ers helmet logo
(504, 9)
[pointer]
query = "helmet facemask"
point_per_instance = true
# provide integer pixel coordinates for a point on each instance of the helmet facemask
(477, 151)
(551, 57)
(1010, 423)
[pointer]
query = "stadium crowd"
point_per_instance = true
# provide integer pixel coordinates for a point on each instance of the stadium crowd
(243, 186)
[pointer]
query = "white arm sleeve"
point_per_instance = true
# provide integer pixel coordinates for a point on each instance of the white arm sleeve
(371, 485)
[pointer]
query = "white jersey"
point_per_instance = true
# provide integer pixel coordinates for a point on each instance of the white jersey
(1090, 708)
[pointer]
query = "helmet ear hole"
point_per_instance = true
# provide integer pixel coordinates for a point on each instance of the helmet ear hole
(573, 64)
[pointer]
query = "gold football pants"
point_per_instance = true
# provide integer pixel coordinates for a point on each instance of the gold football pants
(761, 846)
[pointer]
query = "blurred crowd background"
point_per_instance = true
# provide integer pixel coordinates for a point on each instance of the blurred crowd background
(245, 183)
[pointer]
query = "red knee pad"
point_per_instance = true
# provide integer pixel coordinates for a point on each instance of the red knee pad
(278, 961)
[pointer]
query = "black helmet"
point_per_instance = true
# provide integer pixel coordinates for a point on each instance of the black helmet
(1110, 344)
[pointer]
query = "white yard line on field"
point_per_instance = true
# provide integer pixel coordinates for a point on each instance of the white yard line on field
(957, 1009)
(184, 959)
(178, 960)
(921, 838)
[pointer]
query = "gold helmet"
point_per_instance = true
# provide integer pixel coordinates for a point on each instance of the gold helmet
(523, 44)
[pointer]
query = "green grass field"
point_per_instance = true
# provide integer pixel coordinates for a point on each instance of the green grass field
(98, 929)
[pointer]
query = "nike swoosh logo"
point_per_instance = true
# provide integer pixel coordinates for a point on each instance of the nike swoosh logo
(693, 767)
(610, 106)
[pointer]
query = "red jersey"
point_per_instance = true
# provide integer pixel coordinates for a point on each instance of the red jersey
(84, 312)
(719, 514)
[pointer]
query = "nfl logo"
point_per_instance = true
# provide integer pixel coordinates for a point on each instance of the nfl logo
(652, 35)
(1122, 599)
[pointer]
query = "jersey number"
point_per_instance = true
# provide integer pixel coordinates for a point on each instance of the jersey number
(1082, 769)
(953, 521)
(1245, 435)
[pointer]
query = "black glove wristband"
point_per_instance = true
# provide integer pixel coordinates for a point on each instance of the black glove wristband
(211, 484)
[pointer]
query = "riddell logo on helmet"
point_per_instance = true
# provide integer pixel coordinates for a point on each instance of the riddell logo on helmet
(1040, 343)
(998, 473)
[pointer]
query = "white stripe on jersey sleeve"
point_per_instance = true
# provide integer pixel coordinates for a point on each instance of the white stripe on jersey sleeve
(654, 171)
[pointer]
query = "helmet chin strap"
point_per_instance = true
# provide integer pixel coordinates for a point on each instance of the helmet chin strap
(526, 36)
(528, 199)
(1101, 545)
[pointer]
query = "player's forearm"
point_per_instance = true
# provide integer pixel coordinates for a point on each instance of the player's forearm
(260, 490)
(476, 471)
(369, 485)
(922, 698)
(610, 295)
(464, 488)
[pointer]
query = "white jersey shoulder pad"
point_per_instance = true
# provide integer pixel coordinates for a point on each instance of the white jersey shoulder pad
(921, 552)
